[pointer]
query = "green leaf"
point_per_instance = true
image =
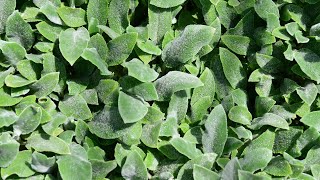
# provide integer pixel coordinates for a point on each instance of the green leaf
(264, 140)
(159, 23)
(202, 173)
(269, 119)
(244, 175)
(265, 7)
(131, 109)
(53, 125)
(215, 135)
(75, 106)
(140, 71)
(232, 68)
(91, 54)
(149, 47)
(28, 120)
(312, 158)
(6, 100)
(9, 150)
(7, 117)
(16, 81)
(108, 91)
(236, 43)
(100, 169)
(73, 17)
(175, 81)
(147, 90)
(309, 63)
(240, 115)
(166, 3)
(108, 124)
(75, 165)
(188, 45)
(311, 119)
(120, 48)
(278, 166)
(49, 31)
(118, 15)
(231, 169)
(99, 10)
(72, 43)
(46, 84)
(41, 163)
(97, 41)
(150, 134)
(205, 160)
(178, 106)
(134, 168)
(12, 52)
(47, 143)
(6, 9)
(308, 93)
(252, 161)
(22, 161)
(50, 11)
(19, 31)
(184, 147)
(208, 89)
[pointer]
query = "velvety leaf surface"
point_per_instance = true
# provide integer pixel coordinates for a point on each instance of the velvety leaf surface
(72, 43)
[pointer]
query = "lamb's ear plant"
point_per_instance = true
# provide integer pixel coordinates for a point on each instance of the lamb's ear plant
(159, 89)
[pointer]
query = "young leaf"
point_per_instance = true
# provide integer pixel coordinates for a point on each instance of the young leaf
(159, 23)
(309, 63)
(108, 124)
(19, 31)
(140, 71)
(311, 119)
(73, 17)
(134, 168)
(175, 81)
(240, 115)
(184, 48)
(45, 85)
(28, 120)
(99, 10)
(232, 68)
(166, 3)
(118, 15)
(184, 147)
(91, 54)
(6, 9)
(265, 7)
(120, 48)
(76, 107)
(9, 150)
(41, 163)
(131, 109)
(308, 93)
(236, 43)
(47, 143)
(269, 119)
(216, 132)
(22, 161)
(72, 43)
(75, 165)
(202, 173)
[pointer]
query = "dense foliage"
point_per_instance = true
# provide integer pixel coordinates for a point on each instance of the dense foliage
(159, 89)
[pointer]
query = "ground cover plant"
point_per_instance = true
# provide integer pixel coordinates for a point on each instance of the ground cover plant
(159, 89)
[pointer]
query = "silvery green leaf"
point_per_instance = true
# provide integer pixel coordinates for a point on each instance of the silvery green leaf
(72, 43)
(175, 81)
(185, 47)
(216, 132)
(19, 31)
(6, 9)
